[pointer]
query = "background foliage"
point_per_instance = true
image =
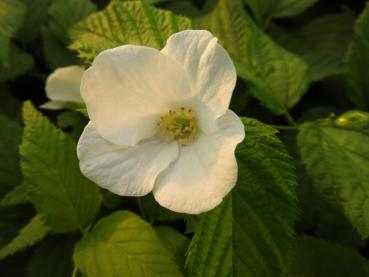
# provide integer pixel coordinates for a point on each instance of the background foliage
(300, 206)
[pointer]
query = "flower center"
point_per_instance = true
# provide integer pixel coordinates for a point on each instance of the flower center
(179, 125)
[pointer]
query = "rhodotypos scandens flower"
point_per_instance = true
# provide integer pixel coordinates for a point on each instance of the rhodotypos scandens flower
(160, 122)
(62, 87)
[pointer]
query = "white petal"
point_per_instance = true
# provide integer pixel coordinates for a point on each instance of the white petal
(128, 88)
(52, 105)
(204, 172)
(209, 67)
(129, 171)
(63, 84)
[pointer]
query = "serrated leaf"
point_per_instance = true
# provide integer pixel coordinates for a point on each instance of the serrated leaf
(275, 76)
(10, 138)
(65, 13)
(34, 231)
(19, 63)
(122, 244)
(278, 8)
(357, 62)
(35, 16)
(174, 241)
(16, 196)
(251, 233)
(322, 43)
(11, 16)
(61, 194)
(336, 155)
(318, 258)
(130, 22)
(52, 258)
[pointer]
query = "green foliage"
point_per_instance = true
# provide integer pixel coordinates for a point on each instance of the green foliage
(122, 244)
(35, 16)
(336, 155)
(34, 231)
(251, 232)
(19, 63)
(131, 22)
(11, 16)
(319, 258)
(275, 76)
(61, 194)
(174, 241)
(10, 139)
(322, 43)
(357, 62)
(65, 13)
(278, 8)
(15, 197)
(52, 258)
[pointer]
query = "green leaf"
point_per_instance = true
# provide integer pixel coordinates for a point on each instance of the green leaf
(174, 241)
(10, 138)
(319, 258)
(322, 43)
(278, 8)
(122, 244)
(357, 62)
(251, 233)
(56, 54)
(15, 197)
(275, 76)
(34, 231)
(61, 194)
(52, 258)
(19, 63)
(65, 13)
(336, 155)
(131, 22)
(35, 16)
(11, 16)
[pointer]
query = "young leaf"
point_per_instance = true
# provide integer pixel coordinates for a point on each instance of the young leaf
(251, 232)
(65, 13)
(61, 194)
(275, 76)
(11, 16)
(357, 62)
(336, 155)
(129, 22)
(122, 244)
(34, 231)
(52, 258)
(318, 258)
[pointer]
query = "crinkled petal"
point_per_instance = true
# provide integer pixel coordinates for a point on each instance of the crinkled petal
(209, 67)
(127, 89)
(204, 172)
(64, 83)
(129, 171)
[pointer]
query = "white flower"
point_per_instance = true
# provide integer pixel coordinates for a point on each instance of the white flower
(160, 122)
(62, 87)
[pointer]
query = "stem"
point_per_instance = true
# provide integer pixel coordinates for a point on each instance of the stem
(141, 208)
(290, 119)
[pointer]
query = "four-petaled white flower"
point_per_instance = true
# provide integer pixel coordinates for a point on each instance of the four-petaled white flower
(160, 122)
(62, 87)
